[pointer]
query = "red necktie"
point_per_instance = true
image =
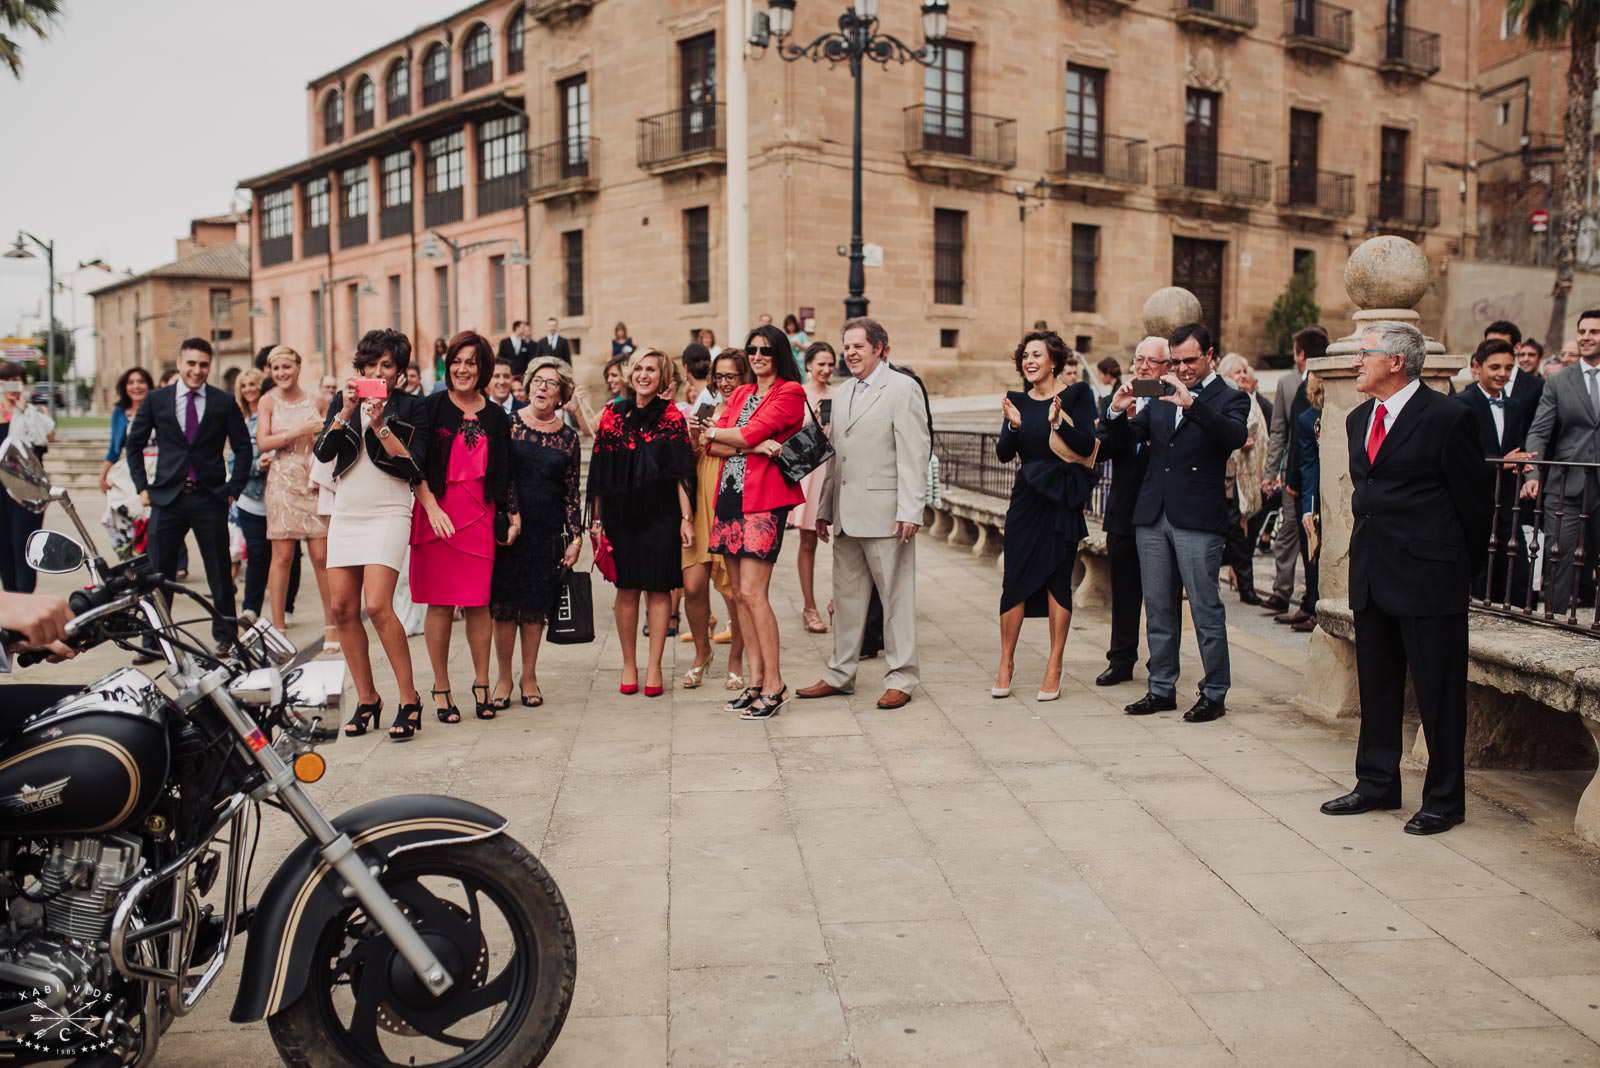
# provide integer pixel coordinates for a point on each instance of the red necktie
(1375, 439)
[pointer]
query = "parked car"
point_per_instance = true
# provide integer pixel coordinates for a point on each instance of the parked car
(40, 395)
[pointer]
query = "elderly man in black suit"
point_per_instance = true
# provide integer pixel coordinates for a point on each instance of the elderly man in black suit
(1421, 507)
(192, 488)
(1181, 517)
(1128, 461)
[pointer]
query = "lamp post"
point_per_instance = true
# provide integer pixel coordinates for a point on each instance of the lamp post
(19, 251)
(454, 252)
(857, 40)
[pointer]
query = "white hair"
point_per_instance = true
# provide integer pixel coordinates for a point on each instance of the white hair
(1400, 339)
(1160, 342)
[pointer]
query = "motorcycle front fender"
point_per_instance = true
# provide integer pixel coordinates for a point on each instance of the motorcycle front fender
(306, 893)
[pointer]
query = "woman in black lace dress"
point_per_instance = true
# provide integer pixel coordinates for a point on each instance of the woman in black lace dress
(544, 474)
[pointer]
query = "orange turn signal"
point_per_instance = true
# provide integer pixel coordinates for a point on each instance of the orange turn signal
(309, 767)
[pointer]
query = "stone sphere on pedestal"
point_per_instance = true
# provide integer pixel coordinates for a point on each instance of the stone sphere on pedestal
(1386, 272)
(1169, 308)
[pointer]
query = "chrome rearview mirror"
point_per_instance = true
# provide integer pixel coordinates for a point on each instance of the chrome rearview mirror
(53, 553)
(23, 475)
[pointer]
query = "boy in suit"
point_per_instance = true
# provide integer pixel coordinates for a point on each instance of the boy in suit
(1502, 421)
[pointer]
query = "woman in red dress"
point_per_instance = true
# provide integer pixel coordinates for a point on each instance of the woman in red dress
(753, 502)
(467, 481)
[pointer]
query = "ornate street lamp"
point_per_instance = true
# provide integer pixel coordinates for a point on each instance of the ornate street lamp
(856, 40)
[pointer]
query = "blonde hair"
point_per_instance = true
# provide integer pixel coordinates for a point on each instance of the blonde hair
(247, 378)
(1314, 391)
(284, 350)
(670, 375)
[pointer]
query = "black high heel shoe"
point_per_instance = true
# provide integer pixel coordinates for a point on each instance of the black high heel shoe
(500, 704)
(486, 708)
(363, 715)
(407, 722)
(449, 713)
(767, 705)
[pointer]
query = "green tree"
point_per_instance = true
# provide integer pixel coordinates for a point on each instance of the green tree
(1547, 22)
(19, 15)
(1295, 309)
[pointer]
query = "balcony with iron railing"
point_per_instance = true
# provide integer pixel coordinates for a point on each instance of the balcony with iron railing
(1316, 27)
(1228, 16)
(1315, 194)
(1402, 207)
(1408, 51)
(689, 138)
(564, 168)
(948, 141)
(443, 207)
(1217, 177)
(503, 192)
(1096, 160)
(353, 231)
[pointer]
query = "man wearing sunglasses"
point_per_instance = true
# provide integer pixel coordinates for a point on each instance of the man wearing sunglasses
(1181, 517)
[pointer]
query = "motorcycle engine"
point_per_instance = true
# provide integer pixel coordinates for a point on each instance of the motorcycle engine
(50, 952)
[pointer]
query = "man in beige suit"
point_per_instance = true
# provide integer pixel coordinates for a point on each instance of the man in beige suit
(876, 489)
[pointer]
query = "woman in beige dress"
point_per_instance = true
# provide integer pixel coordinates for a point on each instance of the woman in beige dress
(288, 423)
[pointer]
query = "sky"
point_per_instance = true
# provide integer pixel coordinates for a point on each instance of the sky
(135, 116)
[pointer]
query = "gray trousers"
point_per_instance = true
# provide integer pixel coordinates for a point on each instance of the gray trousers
(1286, 547)
(1174, 561)
(1566, 531)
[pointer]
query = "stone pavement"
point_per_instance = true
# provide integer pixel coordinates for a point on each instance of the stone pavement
(977, 882)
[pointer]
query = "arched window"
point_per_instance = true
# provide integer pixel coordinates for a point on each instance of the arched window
(436, 74)
(514, 42)
(333, 117)
(397, 88)
(366, 97)
(477, 58)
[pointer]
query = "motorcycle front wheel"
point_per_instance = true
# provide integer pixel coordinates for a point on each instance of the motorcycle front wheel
(496, 920)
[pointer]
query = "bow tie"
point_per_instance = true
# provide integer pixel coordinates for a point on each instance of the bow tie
(1496, 402)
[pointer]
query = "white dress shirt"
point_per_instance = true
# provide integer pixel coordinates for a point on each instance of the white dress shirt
(1178, 418)
(1497, 412)
(183, 403)
(1391, 408)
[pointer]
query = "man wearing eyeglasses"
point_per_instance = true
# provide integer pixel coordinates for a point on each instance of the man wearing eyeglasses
(1421, 512)
(1128, 462)
(1181, 517)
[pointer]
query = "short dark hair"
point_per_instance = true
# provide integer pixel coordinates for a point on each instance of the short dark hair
(123, 400)
(262, 354)
(374, 343)
(1198, 331)
(198, 344)
(791, 318)
(1052, 344)
(877, 336)
(696, 360)
(1109, 366)
(1313, 341)
(9, 370)
(783, 362)
(1506, 327)
(820, 346)
(1592, 313)
(1533, 343)
(482, 355)
(1493, 346)
(498, 362)
(516, 324)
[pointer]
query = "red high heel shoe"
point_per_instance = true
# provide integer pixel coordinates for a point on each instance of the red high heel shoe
(628, 689)
(654, 691)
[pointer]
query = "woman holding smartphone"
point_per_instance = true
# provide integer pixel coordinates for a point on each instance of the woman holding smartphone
(376, 438)
(821, 361)
(465, 491)
(289, 422)
(125, 512)
(753, 502)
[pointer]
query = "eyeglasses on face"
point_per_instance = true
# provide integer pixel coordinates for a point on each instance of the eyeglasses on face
(1187, 361)
(1381, 354)
(546, 383)
(726, 376)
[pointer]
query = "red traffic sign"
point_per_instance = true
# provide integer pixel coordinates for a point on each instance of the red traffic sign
(1539, 219)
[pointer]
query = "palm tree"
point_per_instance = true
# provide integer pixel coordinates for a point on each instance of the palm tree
(1547, 22)
(15, 15)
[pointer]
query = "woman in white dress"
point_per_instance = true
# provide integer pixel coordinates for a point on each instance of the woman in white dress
(377, 446)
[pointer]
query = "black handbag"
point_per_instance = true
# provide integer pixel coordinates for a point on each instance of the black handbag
(806, 451)
(572, 617)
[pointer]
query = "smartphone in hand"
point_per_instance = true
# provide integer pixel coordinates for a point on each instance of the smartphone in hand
(372, 388)
(705, 412)
(825, 411)
(1149, 387)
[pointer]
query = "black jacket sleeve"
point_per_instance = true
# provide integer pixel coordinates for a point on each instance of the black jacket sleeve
(138, 437)
(243, 449)
(1469, 482)
(1227, 424)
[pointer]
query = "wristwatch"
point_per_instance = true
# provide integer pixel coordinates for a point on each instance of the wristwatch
(383, 432)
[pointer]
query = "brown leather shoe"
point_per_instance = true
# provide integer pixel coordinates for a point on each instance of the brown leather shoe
(819, 689)
(1291, 618)
(894, 699)
(1304, 626)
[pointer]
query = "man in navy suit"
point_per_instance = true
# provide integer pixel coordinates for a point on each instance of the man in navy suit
(1502, 422)
(192, 488)
(1128, 462)
(1421, 506)
(1524, 387)
(1181, 517)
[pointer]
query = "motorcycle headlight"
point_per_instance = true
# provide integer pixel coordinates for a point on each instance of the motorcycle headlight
(261, 688)
(314, 699)
(268, 643)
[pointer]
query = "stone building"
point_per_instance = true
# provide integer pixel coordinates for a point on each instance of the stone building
(204, 292)
(1057, 161)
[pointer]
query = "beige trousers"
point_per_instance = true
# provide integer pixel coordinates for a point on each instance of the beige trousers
(859, 564)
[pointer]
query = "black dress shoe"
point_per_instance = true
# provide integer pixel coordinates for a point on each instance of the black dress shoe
(1354, 803)
(1431, 823)
(1150, 702)
(1204, 711)
(1274, 604)
(1249, 597)
(1113, 675)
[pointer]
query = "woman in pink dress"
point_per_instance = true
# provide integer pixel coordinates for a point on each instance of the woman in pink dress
(820, 364)
(466, 485)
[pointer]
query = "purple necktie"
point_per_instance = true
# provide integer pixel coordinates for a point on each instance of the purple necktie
(191, 428)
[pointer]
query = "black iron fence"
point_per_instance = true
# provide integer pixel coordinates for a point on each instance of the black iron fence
(1323, 191)
(1543, 551)
(1239, 12)
(1403, 205)
(987, 139)
(681, 132)
(967, 461)
(1238, 177)
(562, 164)
(1317, 23)
(1408, 47)
(1076, 153)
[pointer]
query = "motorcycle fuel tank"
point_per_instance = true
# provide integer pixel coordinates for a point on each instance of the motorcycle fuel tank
(88, 764)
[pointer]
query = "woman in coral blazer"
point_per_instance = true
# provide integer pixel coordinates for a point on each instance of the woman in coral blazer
(753, 502)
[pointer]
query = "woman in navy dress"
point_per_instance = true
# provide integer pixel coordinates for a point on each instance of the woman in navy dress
(1044, 522)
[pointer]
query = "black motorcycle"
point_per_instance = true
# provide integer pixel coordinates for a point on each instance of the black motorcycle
(407, 931)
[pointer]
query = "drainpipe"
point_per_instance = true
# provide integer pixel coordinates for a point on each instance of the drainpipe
(736, 189)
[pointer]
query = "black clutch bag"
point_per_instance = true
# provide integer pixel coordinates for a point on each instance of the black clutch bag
(806, 451)
(502, 526)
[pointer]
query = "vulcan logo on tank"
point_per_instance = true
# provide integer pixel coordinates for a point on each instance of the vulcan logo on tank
(37, 798)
